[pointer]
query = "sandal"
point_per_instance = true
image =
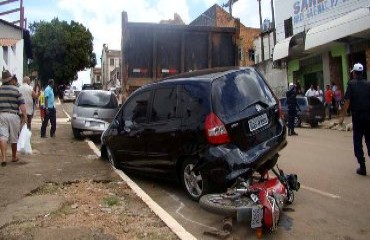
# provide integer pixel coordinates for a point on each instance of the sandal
(15, 160)
(3, 164)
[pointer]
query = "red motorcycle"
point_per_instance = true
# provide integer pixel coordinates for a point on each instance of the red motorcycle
(258, 200)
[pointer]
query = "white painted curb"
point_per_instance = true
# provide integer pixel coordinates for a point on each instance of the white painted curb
(158, 210)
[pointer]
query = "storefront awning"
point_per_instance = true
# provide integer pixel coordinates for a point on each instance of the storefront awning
(281, 49)
(353, 23)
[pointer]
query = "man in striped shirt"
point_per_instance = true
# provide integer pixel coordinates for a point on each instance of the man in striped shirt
(11, 101)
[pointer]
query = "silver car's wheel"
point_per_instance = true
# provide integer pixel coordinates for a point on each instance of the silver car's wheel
(111, 158)
(195, 184)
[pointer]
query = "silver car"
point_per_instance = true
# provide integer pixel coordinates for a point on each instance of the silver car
(93, 111)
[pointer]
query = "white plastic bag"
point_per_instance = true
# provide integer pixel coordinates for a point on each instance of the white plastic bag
(24, 141)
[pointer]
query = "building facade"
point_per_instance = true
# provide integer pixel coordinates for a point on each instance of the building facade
(95, 76)
(110, 63)
(15, 49)
(318, 41)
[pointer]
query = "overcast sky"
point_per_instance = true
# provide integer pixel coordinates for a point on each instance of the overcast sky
(103, 18)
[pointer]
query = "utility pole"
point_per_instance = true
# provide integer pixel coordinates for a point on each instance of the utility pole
(273, 21)
(230, 4)
(262, 47)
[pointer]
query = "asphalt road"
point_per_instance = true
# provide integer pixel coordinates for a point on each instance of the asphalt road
(331, 204)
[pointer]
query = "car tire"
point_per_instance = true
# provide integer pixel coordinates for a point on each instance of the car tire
(297, 121)
(314, 124)
(76, 133)
(194, 183)
(111, 158)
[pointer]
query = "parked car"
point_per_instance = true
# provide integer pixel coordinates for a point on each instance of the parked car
(93, 111)
(88, 86)
(204, 128)
(69, 95)
(312, 111)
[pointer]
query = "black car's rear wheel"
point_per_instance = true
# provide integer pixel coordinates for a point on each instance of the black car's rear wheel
(194, 182)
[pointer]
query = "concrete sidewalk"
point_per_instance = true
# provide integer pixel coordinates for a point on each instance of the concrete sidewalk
(54, 160)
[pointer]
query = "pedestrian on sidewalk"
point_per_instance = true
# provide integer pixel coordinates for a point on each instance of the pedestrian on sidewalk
(50, 111)
(291, 96)
(357, 98)
(41, 104)
(29, 95)
(328, 100)
(11, 101)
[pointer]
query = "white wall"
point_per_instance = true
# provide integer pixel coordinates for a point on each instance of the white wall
(12, 59)
(276, 77)
(309, 13)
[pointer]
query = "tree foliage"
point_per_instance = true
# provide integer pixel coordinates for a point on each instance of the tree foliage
(61, 49)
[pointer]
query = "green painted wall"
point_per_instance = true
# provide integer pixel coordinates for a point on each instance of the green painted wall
(293, 65)
(340, 51)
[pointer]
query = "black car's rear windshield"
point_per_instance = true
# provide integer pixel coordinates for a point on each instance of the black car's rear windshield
(234, 92)
(97, 99)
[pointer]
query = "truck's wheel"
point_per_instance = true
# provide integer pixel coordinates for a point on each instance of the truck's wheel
(194, 182)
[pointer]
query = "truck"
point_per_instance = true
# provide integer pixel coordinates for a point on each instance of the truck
(151, 51)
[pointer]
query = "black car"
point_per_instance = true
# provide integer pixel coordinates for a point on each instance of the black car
(312, 111)
(204, 128)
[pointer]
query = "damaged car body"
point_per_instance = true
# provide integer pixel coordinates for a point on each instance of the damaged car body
(205, 128)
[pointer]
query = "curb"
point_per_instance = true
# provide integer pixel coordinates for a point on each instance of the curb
(158, 210)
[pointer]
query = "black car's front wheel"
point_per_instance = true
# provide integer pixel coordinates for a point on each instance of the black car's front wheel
(194, 182)
(111, 157)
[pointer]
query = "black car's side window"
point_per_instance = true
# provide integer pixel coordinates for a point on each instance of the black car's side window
(136, 110)
(192, 103)
(164, 105)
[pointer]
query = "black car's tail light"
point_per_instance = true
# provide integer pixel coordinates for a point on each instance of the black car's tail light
(216, 132)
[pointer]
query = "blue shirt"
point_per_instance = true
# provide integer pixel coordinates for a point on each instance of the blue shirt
(49, 93)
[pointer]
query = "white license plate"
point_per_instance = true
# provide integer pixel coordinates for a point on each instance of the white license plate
(257, 216)
(258, 122)
(94, 124)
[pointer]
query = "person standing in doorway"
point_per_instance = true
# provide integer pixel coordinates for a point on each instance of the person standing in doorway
(357, 98)
(50, 111)
(319, 94)
(11, 101)
(328, 100)
(291, 96)
(29, 95)
(310, 92)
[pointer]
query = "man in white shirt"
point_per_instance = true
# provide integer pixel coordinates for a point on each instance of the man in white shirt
(319, 94)
(29, 95)
(310, 92)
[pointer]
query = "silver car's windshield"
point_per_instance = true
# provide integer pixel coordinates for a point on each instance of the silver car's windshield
(98, 99)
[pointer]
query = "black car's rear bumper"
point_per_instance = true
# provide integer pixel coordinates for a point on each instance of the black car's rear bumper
(223, 164)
